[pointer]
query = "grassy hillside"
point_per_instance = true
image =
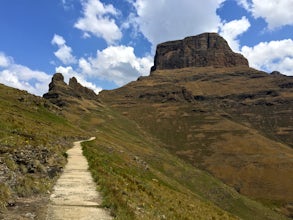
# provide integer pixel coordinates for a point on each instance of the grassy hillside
(34, 137)
(165, 145)
(235, 123)
(140, 179)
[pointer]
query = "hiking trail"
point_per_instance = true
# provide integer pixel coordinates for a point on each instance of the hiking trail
(74, 195)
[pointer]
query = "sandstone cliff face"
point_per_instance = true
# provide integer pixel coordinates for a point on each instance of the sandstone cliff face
(208, 49)
(60, 93)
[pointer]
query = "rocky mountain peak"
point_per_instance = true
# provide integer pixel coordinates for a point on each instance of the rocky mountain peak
(73, 82)
(59, 92)
(57, 81)
(57, 77)
(207, 49)
(81, 90)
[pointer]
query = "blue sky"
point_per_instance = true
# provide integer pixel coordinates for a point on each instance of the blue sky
(108, 43)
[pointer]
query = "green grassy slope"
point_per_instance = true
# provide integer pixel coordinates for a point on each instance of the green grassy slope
(140, 179)
(33, 140)
(133, 166)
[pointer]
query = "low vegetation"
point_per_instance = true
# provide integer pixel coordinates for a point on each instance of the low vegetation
(161, 152)
(139, 179)
(230, 122)
(34, 137)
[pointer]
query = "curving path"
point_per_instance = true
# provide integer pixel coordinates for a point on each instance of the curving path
(75, 195)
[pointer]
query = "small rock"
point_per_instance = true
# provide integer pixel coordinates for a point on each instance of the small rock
(155, 180)
(21, 99)
(30, 215)
(11, 203)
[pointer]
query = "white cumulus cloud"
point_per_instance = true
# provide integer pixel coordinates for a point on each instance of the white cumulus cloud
(58, 40)
(64, 52)
(22, 77)
(276, 13)
(4, 60)
(97, 21)
(118, 64)
(163, 20)
(231, 31)
(270, 56)
(67, 4)
(244, 3)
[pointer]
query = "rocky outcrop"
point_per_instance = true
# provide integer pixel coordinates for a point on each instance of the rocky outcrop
(81, 90)
(60, 93)
(208, 49)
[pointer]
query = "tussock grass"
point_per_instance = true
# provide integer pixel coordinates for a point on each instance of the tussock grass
(140, 179)
(144, 166)
(5, 193)
(33, 139)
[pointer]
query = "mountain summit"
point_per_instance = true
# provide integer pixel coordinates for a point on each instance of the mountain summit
(207, 49)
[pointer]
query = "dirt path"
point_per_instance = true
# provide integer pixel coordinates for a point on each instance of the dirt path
(75, 195)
